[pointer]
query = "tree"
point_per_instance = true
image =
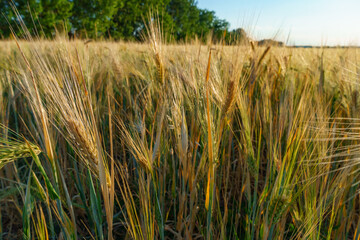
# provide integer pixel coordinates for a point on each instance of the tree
(185, 16)
(208, 22)
(123, 19)
(190, 21)
(55, 14)
(220, 27)
(41, 17)
(5, 16)
(92, 18)
(204, 25)
(128, 22)
(236, 36)
(27, 9)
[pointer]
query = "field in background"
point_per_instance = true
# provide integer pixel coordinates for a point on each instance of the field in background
(149, 141)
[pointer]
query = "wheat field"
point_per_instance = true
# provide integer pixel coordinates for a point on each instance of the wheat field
(115, 140)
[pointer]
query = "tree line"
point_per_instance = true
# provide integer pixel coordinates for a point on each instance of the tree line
(116, 19)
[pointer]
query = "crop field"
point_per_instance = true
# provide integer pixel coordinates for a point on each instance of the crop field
(115, 140)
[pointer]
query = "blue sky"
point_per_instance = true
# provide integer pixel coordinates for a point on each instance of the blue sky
(301, 22)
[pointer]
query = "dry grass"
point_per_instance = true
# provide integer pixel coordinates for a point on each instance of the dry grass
(157, 141)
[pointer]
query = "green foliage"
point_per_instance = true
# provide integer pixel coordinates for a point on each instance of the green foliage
(5, 16)
(42, 17)
(93, 18)
(128, 21)
(209, 22)
(55, 15)
(118, 19)
(186, 16)
(28, 10)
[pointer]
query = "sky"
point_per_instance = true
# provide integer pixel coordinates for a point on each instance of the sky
(296, 22)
